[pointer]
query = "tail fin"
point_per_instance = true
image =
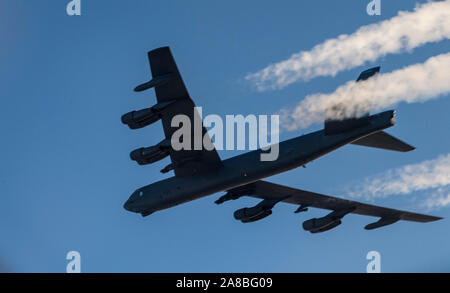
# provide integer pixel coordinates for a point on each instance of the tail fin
(382, 140)
(359, 115)
(360, 118)
(366, 74)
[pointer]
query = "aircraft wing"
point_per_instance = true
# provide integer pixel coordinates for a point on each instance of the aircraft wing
(170, 89)
(270, 191)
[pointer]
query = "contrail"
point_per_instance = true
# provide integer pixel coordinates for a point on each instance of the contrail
(440, 199)
(428, 22)
(431, 176)
(415, 83)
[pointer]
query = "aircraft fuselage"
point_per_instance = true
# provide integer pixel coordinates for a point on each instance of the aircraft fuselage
(246, 168)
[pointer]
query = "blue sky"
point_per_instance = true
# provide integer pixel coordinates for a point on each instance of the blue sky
(66, 173)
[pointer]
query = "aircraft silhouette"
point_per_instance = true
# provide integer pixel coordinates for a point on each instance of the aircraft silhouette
(199, 173)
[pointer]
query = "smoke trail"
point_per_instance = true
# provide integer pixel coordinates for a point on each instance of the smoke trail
(432, 176)
(440, 199)
(428, 22)
(415, 83)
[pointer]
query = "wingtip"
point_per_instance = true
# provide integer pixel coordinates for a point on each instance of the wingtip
(432, 219)
(410, 148)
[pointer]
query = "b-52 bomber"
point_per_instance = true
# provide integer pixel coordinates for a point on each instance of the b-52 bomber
(199, 173)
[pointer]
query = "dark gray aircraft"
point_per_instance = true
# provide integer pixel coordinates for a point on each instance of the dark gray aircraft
(199, 173)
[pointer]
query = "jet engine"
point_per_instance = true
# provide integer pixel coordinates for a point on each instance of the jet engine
(320, 224)
(258, 212)
(247, 215)
(149, 155)
(330, 221)
(141, 118)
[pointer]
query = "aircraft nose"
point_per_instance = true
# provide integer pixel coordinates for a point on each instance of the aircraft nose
(127, 206)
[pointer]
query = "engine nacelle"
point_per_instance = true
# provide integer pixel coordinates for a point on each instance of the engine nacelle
(321, 224)
(330, 221)
(145, 117)
(247, 215)
(258, 212)
(141, 118)
(144, 156)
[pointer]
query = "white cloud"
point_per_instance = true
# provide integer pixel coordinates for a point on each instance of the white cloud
(431, 176)
(415, 83)
(428, 22)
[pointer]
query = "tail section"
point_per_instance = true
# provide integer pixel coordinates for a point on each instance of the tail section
(359, 115)
(382, 140)
(366, 74)
(361, 118)
(339, 126)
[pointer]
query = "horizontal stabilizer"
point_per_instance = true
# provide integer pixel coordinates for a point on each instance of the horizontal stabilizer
(382, 140)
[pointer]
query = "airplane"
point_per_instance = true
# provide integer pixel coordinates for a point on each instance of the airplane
(199, 173)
